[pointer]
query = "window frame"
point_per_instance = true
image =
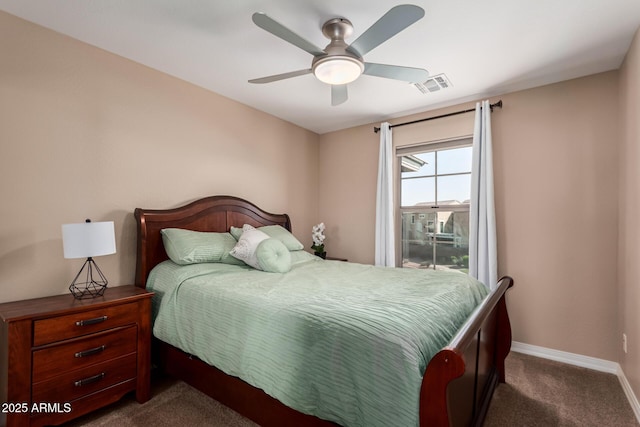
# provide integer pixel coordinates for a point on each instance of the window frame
(418, 148)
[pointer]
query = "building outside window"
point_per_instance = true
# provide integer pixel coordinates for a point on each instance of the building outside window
(435, 192)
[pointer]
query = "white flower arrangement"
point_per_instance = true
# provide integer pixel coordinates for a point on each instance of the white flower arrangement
(317, 234)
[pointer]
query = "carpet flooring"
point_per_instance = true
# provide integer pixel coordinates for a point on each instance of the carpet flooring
(538, 392)
(541, 392)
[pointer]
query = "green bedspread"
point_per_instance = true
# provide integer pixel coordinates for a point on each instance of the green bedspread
(345, 342)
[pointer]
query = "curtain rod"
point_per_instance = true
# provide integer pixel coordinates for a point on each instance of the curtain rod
(455, 113)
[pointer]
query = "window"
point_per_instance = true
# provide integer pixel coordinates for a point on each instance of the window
(435, 191)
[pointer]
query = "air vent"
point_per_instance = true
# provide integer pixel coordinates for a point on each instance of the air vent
(434, 84)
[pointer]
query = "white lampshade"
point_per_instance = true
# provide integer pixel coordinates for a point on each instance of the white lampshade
(88, 239)
(337, 70)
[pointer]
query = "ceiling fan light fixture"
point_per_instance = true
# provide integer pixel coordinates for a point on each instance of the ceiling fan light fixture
(337, 70)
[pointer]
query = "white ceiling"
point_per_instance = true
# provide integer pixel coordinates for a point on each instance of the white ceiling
(485, 48)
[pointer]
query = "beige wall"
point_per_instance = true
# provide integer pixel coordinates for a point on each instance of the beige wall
(555, 159)
(629, 227)
(555, 154)
(87, 134)
(348, 162)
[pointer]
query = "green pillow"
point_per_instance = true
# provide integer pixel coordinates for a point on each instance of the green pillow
(275, 231)
(284, 235)
(192, 247)
(273, 256)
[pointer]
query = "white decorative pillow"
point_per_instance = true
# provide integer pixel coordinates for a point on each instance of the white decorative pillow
(245, 249)
(237, 232)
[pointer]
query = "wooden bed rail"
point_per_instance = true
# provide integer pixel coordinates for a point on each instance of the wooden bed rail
(466, 333)
(463, 375)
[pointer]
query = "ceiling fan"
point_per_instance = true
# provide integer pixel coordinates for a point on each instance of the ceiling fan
(338, 63)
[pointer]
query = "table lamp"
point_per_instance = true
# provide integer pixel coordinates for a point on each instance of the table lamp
(88, 239)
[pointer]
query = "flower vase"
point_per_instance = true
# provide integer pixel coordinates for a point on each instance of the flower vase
(322, 255)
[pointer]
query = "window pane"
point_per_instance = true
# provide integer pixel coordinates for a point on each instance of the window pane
(455, 160)
(438, 240)
(417, 239)
(452, 241)
(411, 165)
(418, 191)
(454, 189)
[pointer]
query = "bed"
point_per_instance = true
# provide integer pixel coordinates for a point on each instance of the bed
(458, 379)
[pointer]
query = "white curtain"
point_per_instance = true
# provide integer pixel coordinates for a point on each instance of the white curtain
(483, 254)
(385, 237)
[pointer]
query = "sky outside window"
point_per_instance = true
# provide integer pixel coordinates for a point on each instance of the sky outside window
(419, 187)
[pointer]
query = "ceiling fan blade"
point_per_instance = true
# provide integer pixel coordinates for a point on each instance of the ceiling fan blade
(268, 24)
(391, 23)
(406, 74)
(282, 76)
(339, 94)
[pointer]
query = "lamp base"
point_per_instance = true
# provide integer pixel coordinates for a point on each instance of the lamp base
(90, 287)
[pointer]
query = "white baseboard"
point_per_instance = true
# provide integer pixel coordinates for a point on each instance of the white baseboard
(584, 362)
(568, 358)
(633, 400)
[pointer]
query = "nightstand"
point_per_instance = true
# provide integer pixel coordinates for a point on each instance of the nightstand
(61, 357)
(330, 258)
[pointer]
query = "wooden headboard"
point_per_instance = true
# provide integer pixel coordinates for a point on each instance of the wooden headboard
(213, 214)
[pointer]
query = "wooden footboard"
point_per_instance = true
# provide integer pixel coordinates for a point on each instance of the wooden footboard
(460, 379)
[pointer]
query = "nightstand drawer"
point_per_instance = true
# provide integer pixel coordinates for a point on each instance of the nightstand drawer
(74, 325)
(79, 353)
(75, 384)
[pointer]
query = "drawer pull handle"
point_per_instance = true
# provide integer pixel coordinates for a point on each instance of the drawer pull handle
(89, 380)
(91, 351)
(91, 321)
